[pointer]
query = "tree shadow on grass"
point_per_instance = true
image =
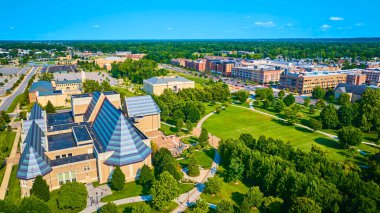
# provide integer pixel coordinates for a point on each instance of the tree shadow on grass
(328, 143)
(302, 129)
(210, 153)
(237, 197)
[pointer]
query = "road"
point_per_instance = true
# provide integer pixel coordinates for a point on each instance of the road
(6, 102)
(236, 83)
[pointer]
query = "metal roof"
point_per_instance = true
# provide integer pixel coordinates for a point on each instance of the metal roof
(41, 86)
(141, 105)
(167, 79)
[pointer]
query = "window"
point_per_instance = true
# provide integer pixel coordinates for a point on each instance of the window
(57, 157)
(86, 168)
(24, 183)
(67, 177)
(63, 156)
(70, 154)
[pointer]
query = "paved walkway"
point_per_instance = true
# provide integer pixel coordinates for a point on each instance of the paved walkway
(11, 160)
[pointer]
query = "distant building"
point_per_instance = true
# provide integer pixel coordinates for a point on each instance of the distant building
(43, 91)
(223, 67)
(157, 85)
(354, 91)
(356, 79)
(106, 62)
(304, 83)
(62, 150)
(259, 74)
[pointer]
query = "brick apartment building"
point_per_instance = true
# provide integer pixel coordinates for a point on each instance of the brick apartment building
(261, 75)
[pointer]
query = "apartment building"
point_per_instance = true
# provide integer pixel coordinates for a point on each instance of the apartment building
(305, 82)
(157, 85)
(61, 149)
(259, 74)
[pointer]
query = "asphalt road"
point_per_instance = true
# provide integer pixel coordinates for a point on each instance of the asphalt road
(8, 100)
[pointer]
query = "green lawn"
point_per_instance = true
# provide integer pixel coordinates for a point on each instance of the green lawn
(2, 172)
(204, 158)
(210, 108)
(14, 103)
(131, 189)
(189, 140)
(53, 205)
(185, 187)
(168, 130)
(235, 120)
(14, 190)
(124, 91)
(6, 142)
(126, 208)
(229, 191)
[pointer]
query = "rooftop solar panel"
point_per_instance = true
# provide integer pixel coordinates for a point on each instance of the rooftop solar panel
(81, 133)
(59, 119)
(61, 141)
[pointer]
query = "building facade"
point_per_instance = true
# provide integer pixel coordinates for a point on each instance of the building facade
(157, 85)
(62, 150)
(259, 75)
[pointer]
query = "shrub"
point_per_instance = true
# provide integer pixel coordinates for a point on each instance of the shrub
(146, 175)
(118, 179)
(40, 189)
(193, 168)
(109, 208)
(72, 195)
(213, 185)
(33, 204)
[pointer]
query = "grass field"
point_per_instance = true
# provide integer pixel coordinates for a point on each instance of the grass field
(246, 121)
(168, 130)
(6, 142)
(126, 207)
(204, 158)
(14, 190)
(2, 172)
(123, 91)
(14, 103)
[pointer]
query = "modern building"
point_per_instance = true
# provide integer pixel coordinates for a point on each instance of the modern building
(356, 79)
(372, 76)
(259, 74)
(157, 85)
(61, 149)
(223, 67)
(304, 83)
(43, 91)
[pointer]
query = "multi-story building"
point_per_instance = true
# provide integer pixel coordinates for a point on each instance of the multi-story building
(356, 78)
(223, 67)
(262, 75)
(373, 76)
(305, 82)
(157, 85)
(61, 149)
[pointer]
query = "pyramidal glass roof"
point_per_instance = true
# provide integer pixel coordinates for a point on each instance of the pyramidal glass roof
(33, 162)
(90, 109)
(117, 134)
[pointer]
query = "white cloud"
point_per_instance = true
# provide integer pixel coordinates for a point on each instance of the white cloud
(170, 28)
(95, 26)
(325, 27)
(336, 18)
(264, 23)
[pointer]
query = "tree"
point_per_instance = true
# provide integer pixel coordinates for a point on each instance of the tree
(46, 76)
(72, 195)
(346, 115)
(315, 124)
(140, 207)
(279, 106)
(203, 138)
(292, 114)
(320, 104)
(281, 94)
(242, 95)
(213, 185)
(189, 126)
(235, 170)
(90, 86)
(201, 206)
(193, 168)
(329, 117)
(225, 207)
(350, 136)
(49, 108)
(330, 95)
(272, 204)
(179, 124)
(289, 99)
(164, 190)
(266, 104)
(304, 205)
(306, 101)
(118, 179)
(40, 189)
(109, 208)
(318, 92)
(105, 86)
(164, 161)
(344, 98)
(146, 175)
(33, 204)
(253, 198)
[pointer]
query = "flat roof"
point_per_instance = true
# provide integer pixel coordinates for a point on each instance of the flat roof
(81, 133)
(72, 159)
(59, 118)
(61, 141)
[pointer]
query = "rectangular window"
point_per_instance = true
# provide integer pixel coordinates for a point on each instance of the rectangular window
(63, 156)
(70, 154)
(57, 157)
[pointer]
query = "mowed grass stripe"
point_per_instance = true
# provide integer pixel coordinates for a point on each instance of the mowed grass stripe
(233, 121)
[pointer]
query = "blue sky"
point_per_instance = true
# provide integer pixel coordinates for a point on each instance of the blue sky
(196, 19)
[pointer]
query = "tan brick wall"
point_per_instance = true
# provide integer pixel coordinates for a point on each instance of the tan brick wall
(149, 123)
(56, 100)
